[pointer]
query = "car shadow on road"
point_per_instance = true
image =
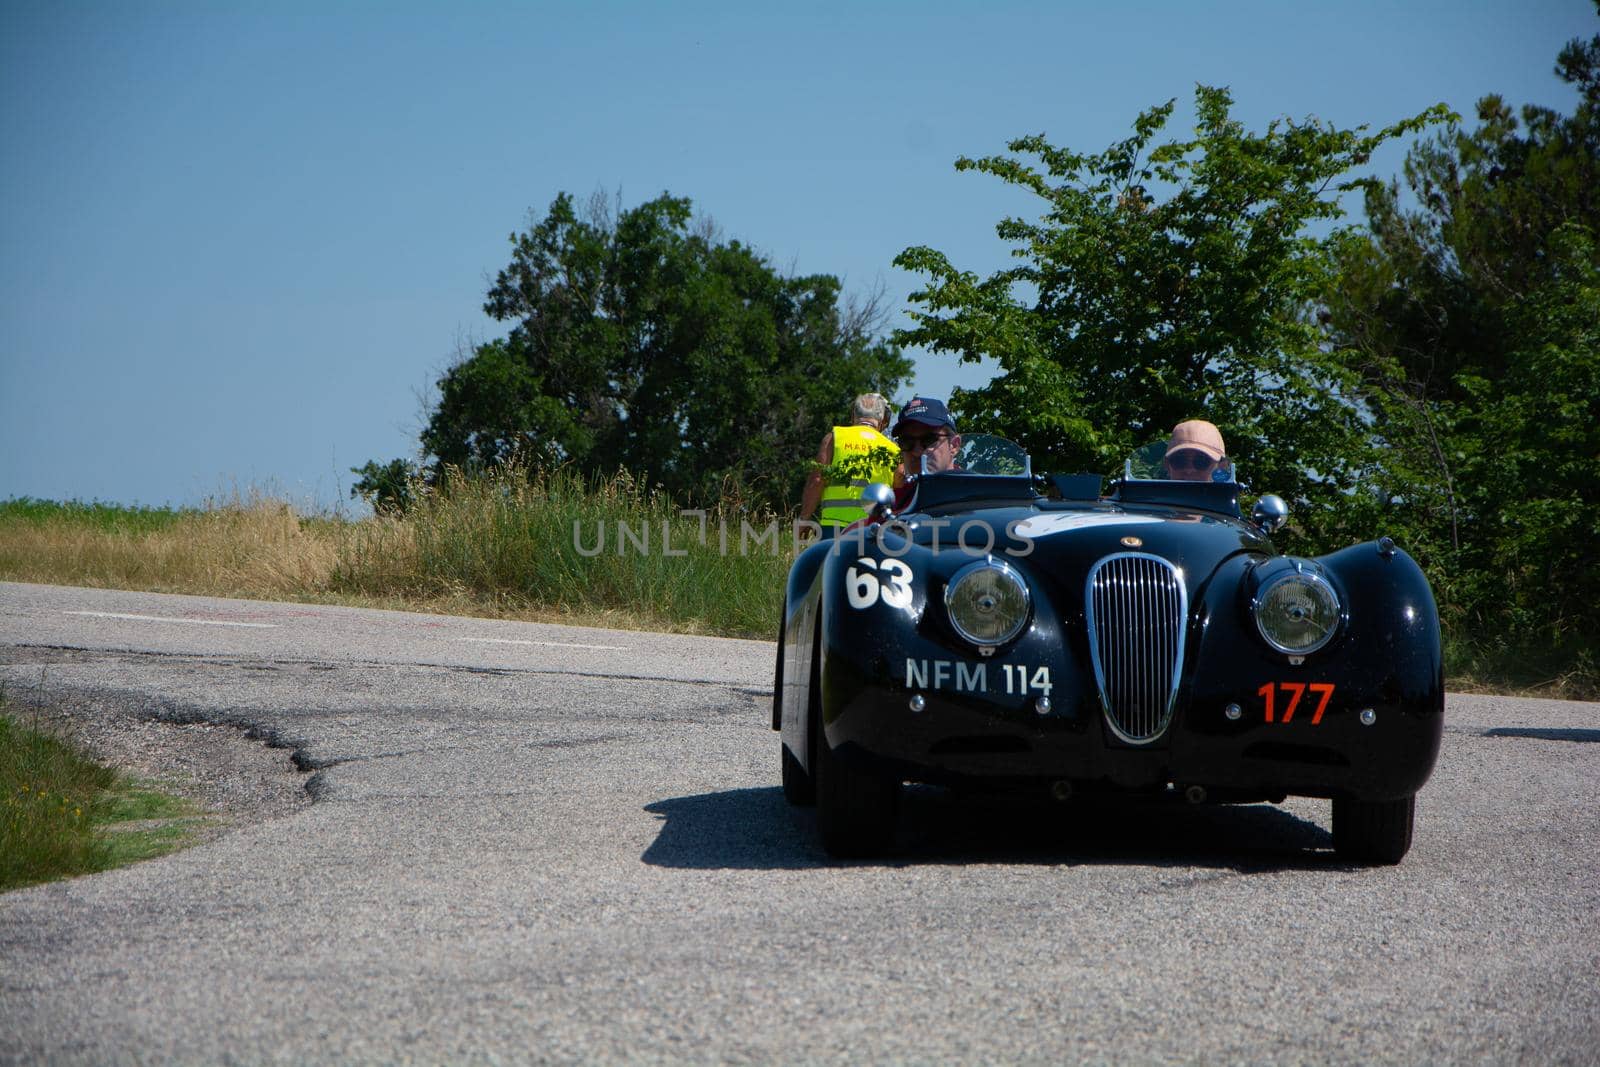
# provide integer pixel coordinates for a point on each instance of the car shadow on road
(757, 829)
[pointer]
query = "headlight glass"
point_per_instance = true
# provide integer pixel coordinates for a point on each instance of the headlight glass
(987, 602)
(1297, 612)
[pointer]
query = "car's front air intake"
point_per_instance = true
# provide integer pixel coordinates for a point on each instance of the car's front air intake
(1136, 606)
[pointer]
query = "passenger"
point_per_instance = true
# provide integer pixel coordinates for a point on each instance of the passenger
(1195, 452)
(840, 500)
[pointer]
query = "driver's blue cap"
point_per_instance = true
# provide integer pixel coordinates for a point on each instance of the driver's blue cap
(926, 412)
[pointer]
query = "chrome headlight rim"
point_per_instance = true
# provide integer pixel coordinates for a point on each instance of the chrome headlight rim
(965, 573)
(1308, 576)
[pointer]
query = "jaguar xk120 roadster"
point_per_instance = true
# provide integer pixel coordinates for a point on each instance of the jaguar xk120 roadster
(1016, 631)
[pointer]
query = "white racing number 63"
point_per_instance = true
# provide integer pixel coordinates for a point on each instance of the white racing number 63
(891, 582)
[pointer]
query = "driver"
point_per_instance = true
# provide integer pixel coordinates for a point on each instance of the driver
(1195, 451)
(928, 443)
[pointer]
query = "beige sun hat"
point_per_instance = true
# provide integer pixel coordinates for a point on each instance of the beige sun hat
(1199, 435)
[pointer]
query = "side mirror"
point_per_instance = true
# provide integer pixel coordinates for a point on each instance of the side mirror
(878, 499)
(1270, 513)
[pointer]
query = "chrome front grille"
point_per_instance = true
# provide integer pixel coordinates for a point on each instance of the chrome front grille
(1136, 605)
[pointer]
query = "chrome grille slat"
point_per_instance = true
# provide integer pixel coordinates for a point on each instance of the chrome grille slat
(1136, 606)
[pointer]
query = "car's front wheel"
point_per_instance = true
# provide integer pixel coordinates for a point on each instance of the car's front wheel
(799, 788)
(855, 809)
(1374, 832)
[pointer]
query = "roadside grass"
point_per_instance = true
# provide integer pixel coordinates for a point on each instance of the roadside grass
(246, 547)
(110, 517)
(543, 547)
(1568, 671)
(556, 543)
(143, 822)
(63, 814)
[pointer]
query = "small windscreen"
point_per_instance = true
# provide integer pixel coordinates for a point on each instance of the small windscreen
(1151, 463)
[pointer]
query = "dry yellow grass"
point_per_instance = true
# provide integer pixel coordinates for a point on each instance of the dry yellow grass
(260, 549)
(380, 553)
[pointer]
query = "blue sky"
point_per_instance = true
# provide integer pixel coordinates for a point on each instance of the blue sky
(241, 241)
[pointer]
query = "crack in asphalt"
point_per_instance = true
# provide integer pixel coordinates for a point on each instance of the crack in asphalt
(1578, 734)
(118, 708)
(272, 664)
(1542, 733)
(313, 763)
(580, 742)
(164, 710)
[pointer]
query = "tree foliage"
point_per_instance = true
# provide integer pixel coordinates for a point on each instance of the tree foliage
(1471, 315)
(639, 340)
(1164, 280)
(386, 486)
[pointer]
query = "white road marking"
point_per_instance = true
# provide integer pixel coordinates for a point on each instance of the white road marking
(169, 618)
(543, 644)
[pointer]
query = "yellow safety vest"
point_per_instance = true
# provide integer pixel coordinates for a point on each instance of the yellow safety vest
(841, 501)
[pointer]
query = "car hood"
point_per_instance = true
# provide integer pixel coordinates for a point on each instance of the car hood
(1064, 541)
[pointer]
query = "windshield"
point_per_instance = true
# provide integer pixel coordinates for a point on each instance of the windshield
(982, 453)
(1151, 464)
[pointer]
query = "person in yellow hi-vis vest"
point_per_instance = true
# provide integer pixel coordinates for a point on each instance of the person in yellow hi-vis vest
(840, 500)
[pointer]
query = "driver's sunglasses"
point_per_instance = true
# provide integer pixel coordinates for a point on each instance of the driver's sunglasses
(913, 442)
(1191, 461)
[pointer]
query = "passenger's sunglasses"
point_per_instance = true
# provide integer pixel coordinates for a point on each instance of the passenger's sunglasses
(1190, 461)
(921, 442)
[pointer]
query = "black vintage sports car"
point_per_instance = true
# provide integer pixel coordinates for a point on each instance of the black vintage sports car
(1147, 641)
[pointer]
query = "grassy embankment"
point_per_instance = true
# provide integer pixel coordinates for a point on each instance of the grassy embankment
(63, 814)
(504, 546)
(500, 546)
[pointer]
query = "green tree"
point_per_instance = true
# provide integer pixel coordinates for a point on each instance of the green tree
(385, 486)
(641, 341)
(1470, 313)
(1164, 281)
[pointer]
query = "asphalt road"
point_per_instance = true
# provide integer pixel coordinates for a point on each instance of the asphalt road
(548, 843)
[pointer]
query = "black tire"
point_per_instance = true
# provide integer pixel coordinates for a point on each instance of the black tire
(777, 675)
(1373, 832)
(799, 788)
(855, 808)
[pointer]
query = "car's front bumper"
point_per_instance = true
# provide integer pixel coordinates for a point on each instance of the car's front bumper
(1371, 741)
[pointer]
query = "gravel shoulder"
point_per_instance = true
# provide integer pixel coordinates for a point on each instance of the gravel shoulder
(236, 778)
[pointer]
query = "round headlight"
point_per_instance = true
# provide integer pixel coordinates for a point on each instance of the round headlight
(1297, 612)
(987, 602)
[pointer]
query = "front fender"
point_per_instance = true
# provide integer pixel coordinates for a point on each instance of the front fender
(885, 638)
(1386, 661)
(797, 634)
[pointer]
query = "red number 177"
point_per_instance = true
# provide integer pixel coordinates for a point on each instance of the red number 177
(1322, 690)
